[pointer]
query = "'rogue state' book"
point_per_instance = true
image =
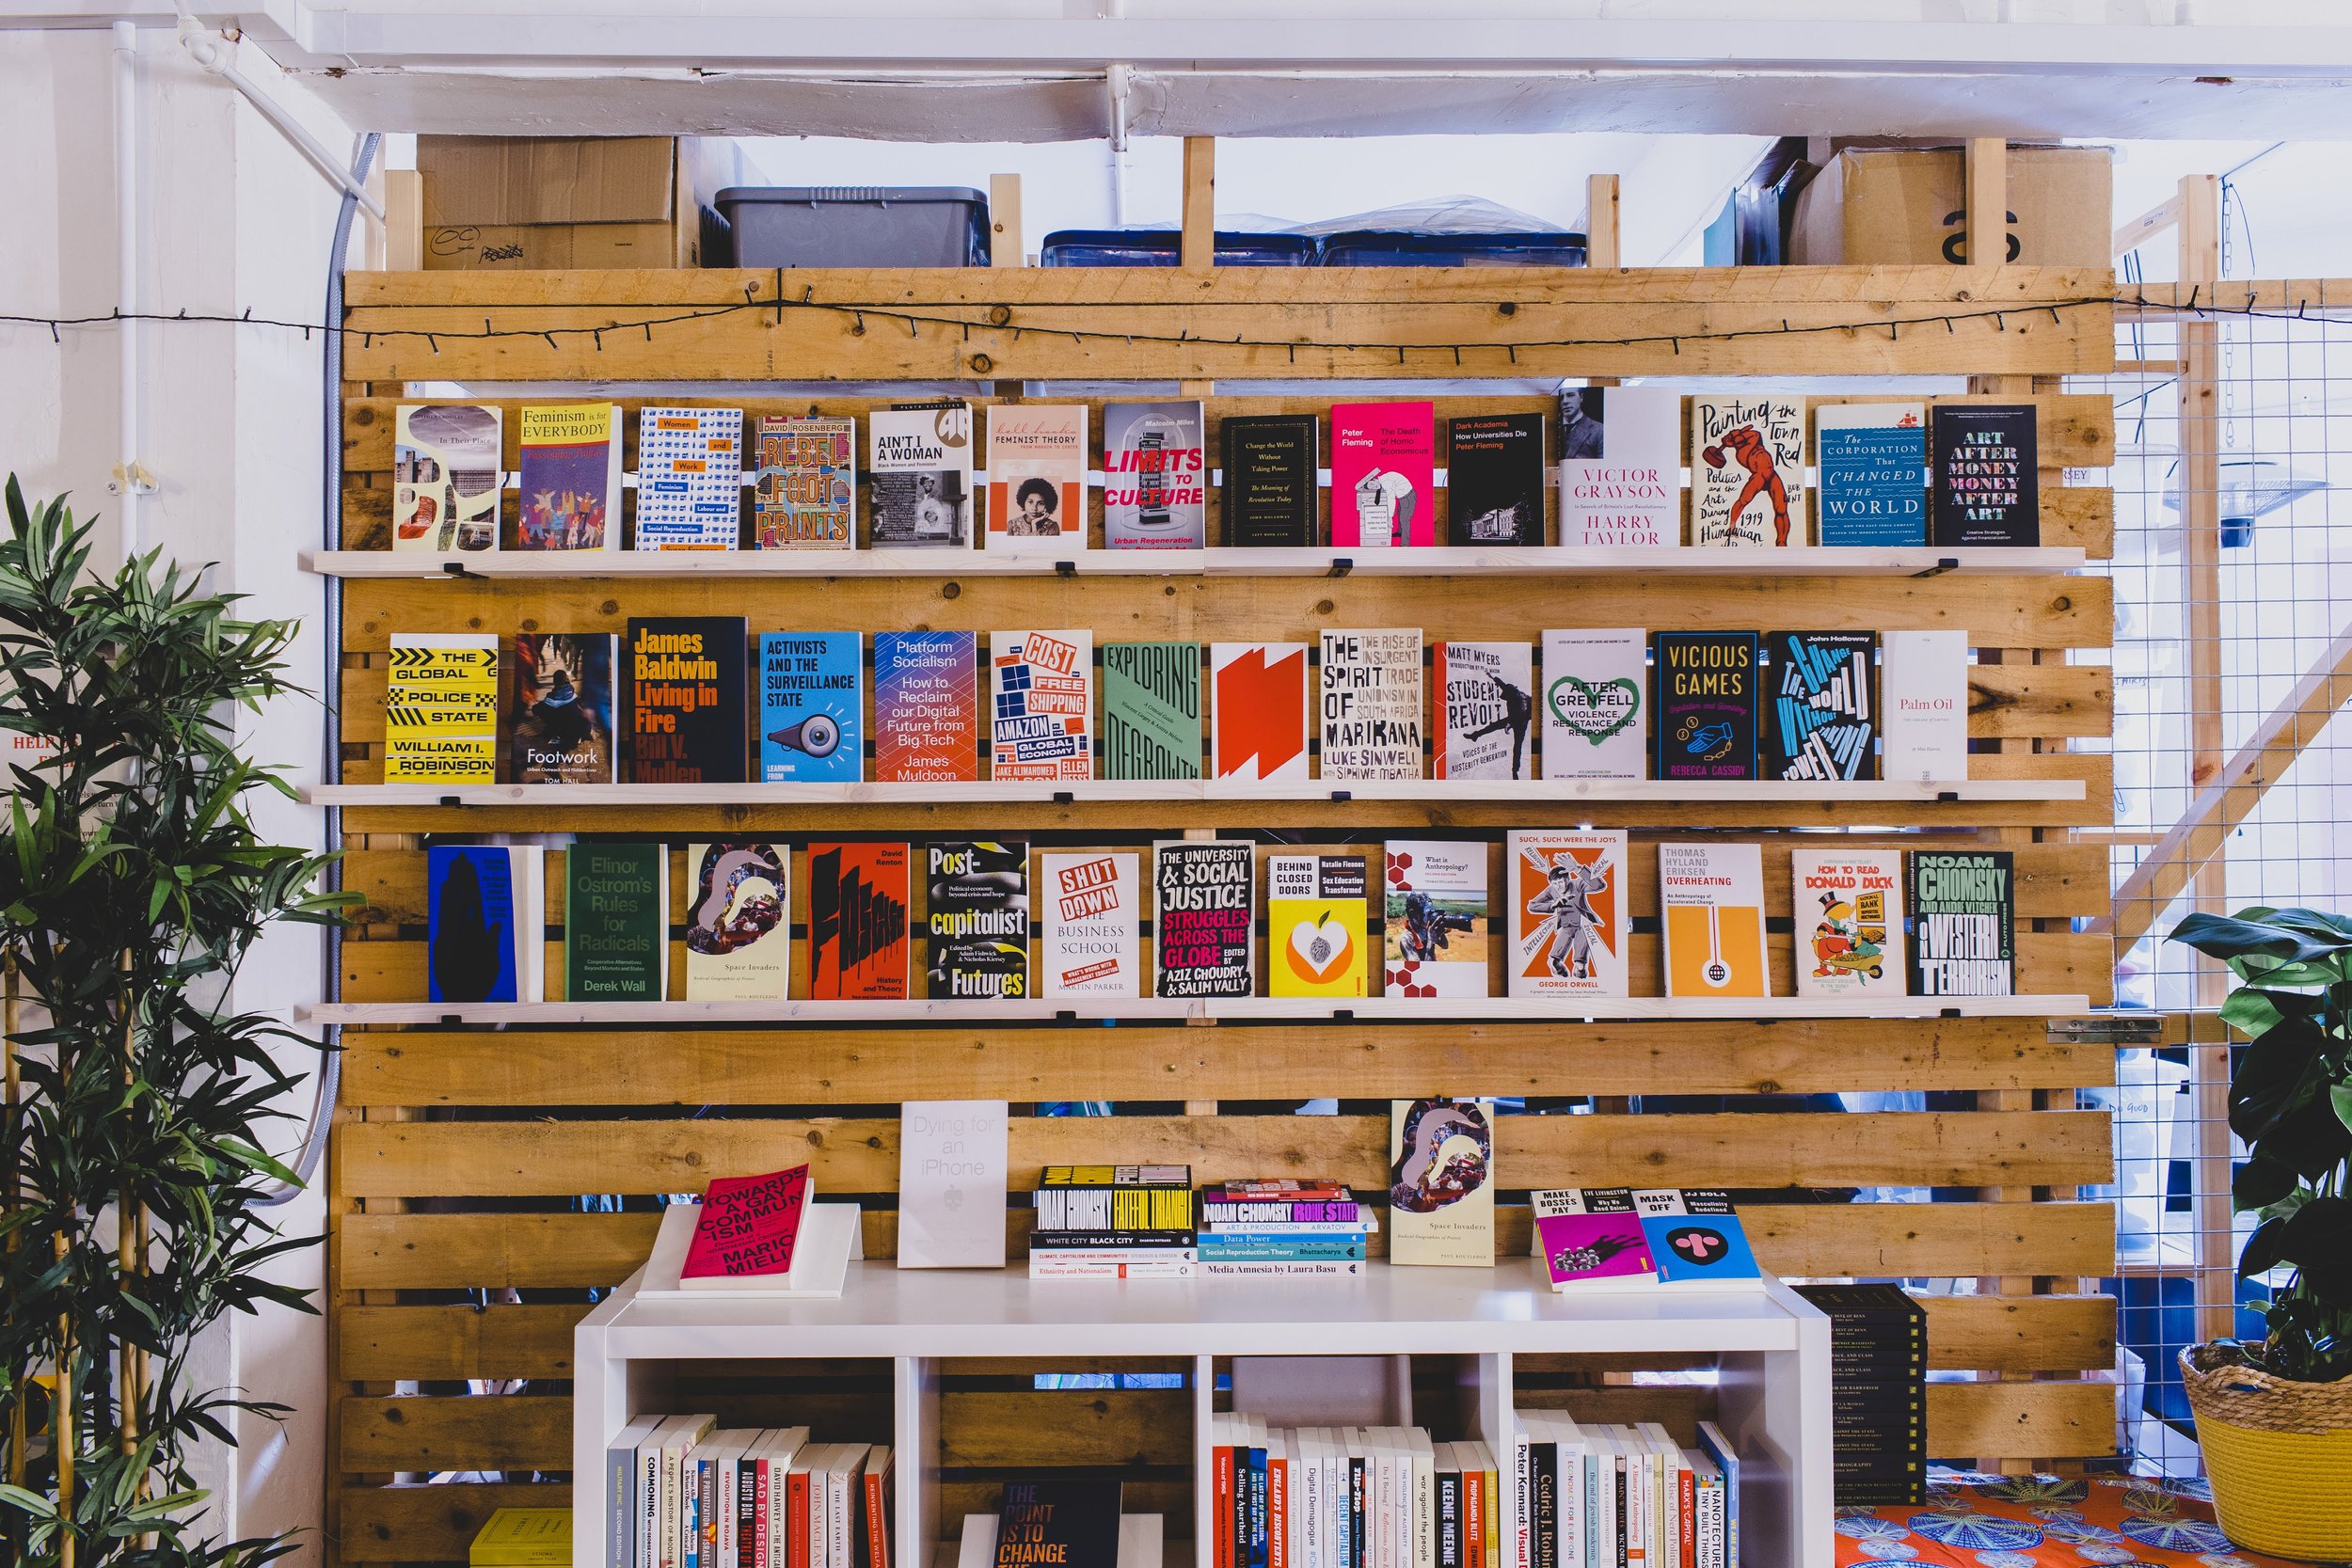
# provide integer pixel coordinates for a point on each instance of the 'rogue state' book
(857, 922)
(1710, 901)
(977, 917)
(1923, 692)
(442, 710)
(1442, 1182)
(804, 494)
(1369, 687)
(918, 465)
(1963, 921)
(1987, 486)
(1037, 476)
(739, 930)
(1849, 917)
(484, 912)
(1569, 914)
(1597, 703)
(683, 699)
(1704, 719)
(1042, 692)
(1747, 472)
(1434, 936)
(1205, 917)
(1317, 917)
(446, 472)
(571, 477)
(1151, 710)
(1620, 467)
(1495, 478)
(1383, 474)
(1822, 720)
(1155, 477)
(1269, 464)
(1258, 710)
(690, 479)
(812, 708)
(926, 707)
(616, 922)
(1090, 920)
(1486, 725)
(1873, 473)
(559, 725)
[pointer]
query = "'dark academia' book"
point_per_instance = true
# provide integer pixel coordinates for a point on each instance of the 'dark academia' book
(1037, 478)
(1042, 697)
(1987, 486)
(616, 922)
(1155, 476)
(690, 479)
(571, 477)
(1485, 721)
(1710, 901)
(1963, 921)
(1434, 936)
(1258, 710)
(1383, 474)
(977, 918)
(1317, 917)
(805, 492)
(1269, 489)
(1151, 710)
(812, 708)
(1089, 924)
(1442, 1182)
(1597, 703)
(1620, 467)
(1370, 684)
(857, 922)
(1872, 479)
(738, 932)
(1569, 915)
(1848, 910)
(1704, 718)
(682, 687)
(919, 467)
(446, 476)
(1495, 478)
(442, 710)
(1821, 708)
(559, 720)
(1205, 917)
(1747, 472)
(926, 707)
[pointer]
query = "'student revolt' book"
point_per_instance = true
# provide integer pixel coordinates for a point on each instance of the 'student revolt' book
(1151, 710)
(1269, 466)
(1495, 478)
(1485, 721)
(682, 686)
(857, 922)
(559, 722)
(812, 708)
(976, 916)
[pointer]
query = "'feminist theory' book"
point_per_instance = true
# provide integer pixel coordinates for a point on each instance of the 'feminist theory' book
(1037, 476)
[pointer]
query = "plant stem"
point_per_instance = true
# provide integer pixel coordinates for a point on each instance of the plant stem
(19, 1439)
(65, 1431)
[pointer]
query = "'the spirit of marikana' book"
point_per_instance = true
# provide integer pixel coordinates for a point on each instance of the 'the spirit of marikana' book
(1205, 917)
(1712, 903)
(560, 721)
(1597, 703)
(1486, 725)
(1383, 474)
(1042, 690)
(926, 707)
(571, 477)
(1258, 710)
(812, 708)
(919, 475)
(1963, 921)
(1316, 915)
(1849, 917)
(1089, 922)
(739, 932)
(1495, 478)
(1151, 710)
(683, 699)
(446, 472)
(1987, 486)
(1370, 683)
(690, 479)
(1620, 467)
(1155, 477)
(978, 918)
(1747, 472)
(1822, 721)
(1269, 490)
(1704, 719)
(1568, 913)
(616, 922)
(1434, 940)
(1873, 481)
(1442, 1182)
(857, 922)
(442, 710)
(804, 496)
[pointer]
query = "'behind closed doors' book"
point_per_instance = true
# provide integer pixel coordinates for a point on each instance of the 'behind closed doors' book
(1597, 703)
(1155, 477)
(857, 922)
(1823, 719)
(1704, 719)
(1383, 474)
(690, 479)
(1495, 478)
(1370, 684)
(1568, 912)
(1037, 476)
(1711, 903)
(1987, 486)
(1042, 688)
(977, 919)
(1316, 916)
(926, 707)
(806, 494)
(739, 932)
(812, 708)
(683, 714)
(1620, 467)
(1435, 938)
(1486, 725)
(1258, 710)
(1442, 1182)
(1747, 472)
(445, 477)
(560, 723)
(1205, 893)
(1963, 921)
(571, 477)
(1269, 487)
(1151, 710)
(919, 475)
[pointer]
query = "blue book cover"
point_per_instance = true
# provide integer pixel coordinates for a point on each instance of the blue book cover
(469, 908)
(1873, 473)
(812, 708)
(1692, 1247)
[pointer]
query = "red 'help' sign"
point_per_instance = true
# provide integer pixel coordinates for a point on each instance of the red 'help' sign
(748, 1225)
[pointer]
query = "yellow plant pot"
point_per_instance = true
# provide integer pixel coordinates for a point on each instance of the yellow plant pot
(2278, 1454)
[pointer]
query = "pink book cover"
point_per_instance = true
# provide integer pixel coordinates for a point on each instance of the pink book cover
(1593, 1246)
(1383, 474)
(747, 1226)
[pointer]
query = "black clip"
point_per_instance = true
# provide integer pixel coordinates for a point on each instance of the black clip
(1066, 1016)
(452, 1019)
(1946, 796)
(1342, 795)
(1065, 798)
(1065, 568)
(1343, 565)
(1343, 1015)
(1943, 564)
(1948, 1012)
(450, 801)
(459, 569)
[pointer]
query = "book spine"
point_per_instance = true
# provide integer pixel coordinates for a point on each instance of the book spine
(1473, 1518)
(1221, 1473)
(796, 1520)
(1628, 1538)
(1541, 1477)
(837, 1521)
(1278, 1513)
(877, 1521)
(1356, 1536)
(1686, 1489)
(1449, 1519)
(1522, 1498)
(1495, 1543)
(1257, 1509)
(763, 1484)
(746, 1511)
(1311, 1513)
(620, 1507)
(648, 1506)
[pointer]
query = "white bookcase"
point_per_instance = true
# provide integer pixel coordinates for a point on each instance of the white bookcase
(1770, 1346)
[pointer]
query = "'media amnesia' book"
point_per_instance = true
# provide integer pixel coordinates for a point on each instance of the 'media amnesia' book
(1370, 684)
(1485, 726)
(1155, 477)
(1089, 942)
(1205, 895)
(1747, 472)
(926, 707)
(812, 708)
(1568, 913)
(1042, 690)
(977, 918)
(739, 932)
(1316, 916)
(1434, 940)
(683, 685)
(1151, 710)
(1821, 721)
(857, 922)
(1963, 921)
(442, 710)
(559, 719)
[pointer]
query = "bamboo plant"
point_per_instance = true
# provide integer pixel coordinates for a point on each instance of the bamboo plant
(133, 883)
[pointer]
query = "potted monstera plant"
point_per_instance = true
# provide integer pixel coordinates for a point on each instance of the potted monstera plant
(2274, 1417)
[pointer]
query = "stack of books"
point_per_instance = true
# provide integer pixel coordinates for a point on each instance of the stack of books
(1878, 1392)
(682, 1492)
(1114, 1222)
(1606, 1496)
(523, 1538)
(1347, 1497)
(1283, 1228)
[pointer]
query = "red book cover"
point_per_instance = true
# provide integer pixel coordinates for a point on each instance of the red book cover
(1277, 1510)
(1224, 1464)
(1258, 710)
(1690, 1515)
(1474, 1517)
(1383, 474)
(877, 1516)
(747, 1226)
(759, 1515)
(796, 1520)
(857, 922)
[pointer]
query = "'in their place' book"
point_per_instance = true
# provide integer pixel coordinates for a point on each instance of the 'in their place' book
(1088, 940)
(1316, 918)
(446, 473)
(926, 707)
(690, 479)
(1258, 710)
(1923, 690)
(1155, 477)
(682, 712)
(1205, 917)
(616, 922)
(485, 911)
(560, 720)
(857, 922)
(571, 477)
(1442, 1182)
(1963, 921)
(1434, 939)
(1569, 916)
(919, 475)
(739, 930)
(1620, 467)
(1987, 485)
(1703, 720)
(1151, 710)
(442, 710)
(804, 494)
(1747, 472)
(976, 915)
(1037, 476)
(1495, 478)
(1383, 474)
(1847, 909)
(1269, 485)
(1369, 687)
(1042, 692)
(1597, 703)
(812, 708)
(1873, 484)
(1821, 722)
(1711, 903)
(1485, 726)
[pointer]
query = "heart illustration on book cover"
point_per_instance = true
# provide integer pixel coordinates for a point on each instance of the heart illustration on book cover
(1320, 948)
(1595, 709)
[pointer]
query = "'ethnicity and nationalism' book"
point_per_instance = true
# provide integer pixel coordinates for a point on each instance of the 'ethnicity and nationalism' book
(1569, 916)
(1923, 693)
(446, 474)
(1495, 478)
(484, 912)
(1151, 710)
(1704, 719)
(1037, 476)
(1269, 485)
(1205, 917)
(559, 719)
(739, 930)
(1042, 692)
(442, 710)
(1821, 721)
(683, 699)
(1597, 703)
(1873, 473)
(1747, 472)
(1155, 477)
(616, 922)
(1258, 710)
(1963, 921)
(571, 477)
(1317, 917)
(857, 922)
(690, 479)
(926, 707)
(1847, 909)
(976, 915)
(1433, 937)
(1369, 687)
(812, 708)
(918, 468)
(1383, 474)
(1088, 942)
(1441, 1186)
(1620, 467)
(804, 493)
(1710, 901)
(1987, 486)
(1485, 723)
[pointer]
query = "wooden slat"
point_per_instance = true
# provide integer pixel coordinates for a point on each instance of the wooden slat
(384, 1344)
(1965, 1420)
(428, 1524)
(486, 1433)
(1067, 1426)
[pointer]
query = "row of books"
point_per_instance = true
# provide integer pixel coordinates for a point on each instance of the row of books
(1877, 1393)
(670, 700)
(1144, 1222)
(1423, 919)
(1889, 473)
(683, 1493)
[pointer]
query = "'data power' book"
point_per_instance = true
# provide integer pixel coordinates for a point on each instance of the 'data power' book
(690, 479)
(1090, 920)
(559, 722)
(1620, 467)
(616, 922)
(571, 477)
(1370, 686)
(1316, 916)
(1383, 474)
(1597, 703)
(1568, 913)
(739, 932)
(1205, 917)
(1704, 719)
(804, 496)
(1042, 696)
(812, 708)
(976, 916)
(1155, 477)
(1747, 472)
(857, 922)
(1269, 490)
(1434, 939)
(1495, 478)
(442, 710)
(1258, 710)
(926, 707)
(1151, 710)
(683, 717)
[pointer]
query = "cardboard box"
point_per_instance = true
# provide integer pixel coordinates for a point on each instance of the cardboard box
(521, 203)
(1906, 208)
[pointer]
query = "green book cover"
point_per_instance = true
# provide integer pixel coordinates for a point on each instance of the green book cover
(1151, 710)
(616, 918)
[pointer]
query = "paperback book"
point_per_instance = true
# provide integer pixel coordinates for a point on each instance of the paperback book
(683, 712)
(1571, 921)
(739, 933)
(1155, 477)
(1316, 918)
(1088, 942)
(1923, 682)
(446, 474)
(1747, 472)
(1433, 939)
(977, 917)
(952, 1155)
(812, 708)
(616, 922)
(1595, 704)
(857, 922)
(747, 1226)
(1873, 473)
(1590, 1238)
(1824, 714)
(1487, 727)
(1042, 690)
(1037, 476)
(560, 720)
(1258, 710)
(919, 475)
(1441, 1187)
(1151, 710)
(1695, 1237)
(804, 494)
(1370, 683)
(1383, 474)
(690, 479)
(1987, 485)
(1849, 916)
(485, 914)
(1269, 480)
(1712, 903)
(926, 707)
(1064, 1523)
(1963, 921)
(1620, 467)
(571, 477)
(442, 710)
(1704, 721)
(1495, 478)
(1205, 917)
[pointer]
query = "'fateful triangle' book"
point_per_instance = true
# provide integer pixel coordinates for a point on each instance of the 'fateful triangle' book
(1569, 916)
(1495, 478)
(1848, 919)
(1151, 710)
(1205, 917)
(976, 916)
(1258, 710)
(1087, 941)
(1316, 916)
(560, 721)
(1704, 719)
(1711, 903)
(919, 475)
(1434, 940)
(926, 707)
(1747, 472)
(1620, 467)
(1155, 477)
(857, 922)
(1822, 719)
(1874, 478)
(1963, 921)
(1987, 486)
(683, 699)
(1485, 726)
(1370, 683)
(1041, 690)
(812, 708)
(1597, 703)
(738, 932)
(1270, 485)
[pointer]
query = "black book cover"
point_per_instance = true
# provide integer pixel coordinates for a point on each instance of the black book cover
(1987, 486)
(977, 919)
(1269, 492)
(559, 722)
(1543, 1466)
(683, 687)
(1821, 717)
(1448, 1488)
(1064, 1523)
(1705, 706)
(1495, 478)
(1963, 919)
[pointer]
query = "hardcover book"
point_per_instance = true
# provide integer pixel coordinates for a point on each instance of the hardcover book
(919, 475)
(1987, 484)
(1710, 901)
(739, 930)
(1570, 918)
(926, 707)
(1823, 720)
(1620, 467)
(812, 708)
(616, 922)
(1434, 937)
(1370, 683)
(1441, 1187)
(1488, 727)
(1495, 478)
(1037, 476)
(747, 1226)
(1923, 687)
(1847, 909)
(690, 479)
(804, 494)
(1596, 704)
(1963, 921)
(1873, 478)
(1269, 480)
(1042, 692)
(1747, 472)
(446, 473)
(1316, 916)
(1088, 941)
(683, 709)
(1205, 917)
(857, 922)
(560, 721)
(1151, 710)
(571, 477)
(1258, 710)
(442, 710)
(1058, 1524)
(1155, 477)
(485, 913)
(977, 919)
(1383, 474)
(1704, 719)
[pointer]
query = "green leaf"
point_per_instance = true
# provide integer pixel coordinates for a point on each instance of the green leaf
(254, 1159)
(16, 1497)
(2340, 1096)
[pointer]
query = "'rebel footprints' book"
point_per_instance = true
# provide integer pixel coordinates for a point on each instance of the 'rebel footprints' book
(616, 922)
(1383, 474)
(1037, 478)
(1151, 710)
(926, 707)
(1597, 703)
(485, 908)
(977, 917)
(1269, 484)
(1088, 920)
(1495, 478)
(446, 474)
(1704, 719)
(1434, 919)
(683, 695)
(1620, 467)
(1987, 486)
(1873, 473)
(857, 922)
(1205, 917)
(1258, 710)
(1821, 720)
(1155, 477)
(1923, 695)
(738, 927)
(1370, 688)
(1710, 900)
(1316, 915)
(1747, 472)
(1041, 693)
(812, 708)
(1963, 921)
(1486, 723)
(442, 710)
(559, 726)
(1442, 1182)
(571, 477)
(804, 493)
(1847, 909)
(918, 465)
(1570, 917)
(690, 479)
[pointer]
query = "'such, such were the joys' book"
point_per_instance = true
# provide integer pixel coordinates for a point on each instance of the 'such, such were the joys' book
(1963, 915)
(683, 692)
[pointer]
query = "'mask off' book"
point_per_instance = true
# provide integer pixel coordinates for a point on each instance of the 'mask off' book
(1569, 917)
(1434, 919)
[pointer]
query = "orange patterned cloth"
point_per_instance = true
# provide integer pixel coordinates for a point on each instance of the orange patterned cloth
(1979, 1521)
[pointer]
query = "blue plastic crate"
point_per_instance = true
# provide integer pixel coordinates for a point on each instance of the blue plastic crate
(1160, 247)
(1376, 247)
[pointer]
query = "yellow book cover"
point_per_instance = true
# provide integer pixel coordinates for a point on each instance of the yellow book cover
(1712, 896)
(442, 710)
(1317, 917)
(523, 1538)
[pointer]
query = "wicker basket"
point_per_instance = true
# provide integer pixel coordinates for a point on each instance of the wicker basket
(2279, 1453)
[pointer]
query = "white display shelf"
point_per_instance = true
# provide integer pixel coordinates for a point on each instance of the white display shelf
(1391, 1009)
(1773, 1350)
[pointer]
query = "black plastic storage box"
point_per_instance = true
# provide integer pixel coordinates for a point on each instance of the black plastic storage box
(1396, 247)
(855, 226)
(1162, 247)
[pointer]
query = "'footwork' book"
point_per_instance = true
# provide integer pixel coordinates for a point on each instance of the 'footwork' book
(804, 496)
(560, 721)
(1205, 917)
(1089, 925)
(683, 699)
(812, 708)
(1987, 486)
(1316, 916)
(1570, 918)
(857, 922)
(1269, 490)
(1823, 719)
(571, 477)
(1370, 684)
(1747, 472)
(1711, 902)
(1703, 720)
(1155, 477)
(977, 919)
(1151, 710)
(1434, 919)
(1441, 1186)
(1963, 919)
(1848, 918)
(1041, 693)
(926, 707)
(739, 932)
(442, 710)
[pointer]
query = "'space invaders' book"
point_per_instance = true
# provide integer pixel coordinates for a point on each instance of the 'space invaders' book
(1987, 486)
(1495, 478)
(683, 691)
(1822, 714)
(616, 922)
(560, 720)
(978, 918)
(1369, 698)
(1042, 697)
(1704, 719)
(738, 932)
(1434, 937)
(1088, 937)
(1963, 919)
(1269, 463)
(857, 922)
(926, 707)
(1205, 893)
(1155, 477)
(1873, 472)
(1442, 1184)
(1151, 710)
(812, 708)
(1747, 472)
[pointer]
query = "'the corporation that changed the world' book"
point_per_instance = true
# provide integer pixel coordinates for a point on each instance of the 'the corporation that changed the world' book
(976, 916)
(1873, 478)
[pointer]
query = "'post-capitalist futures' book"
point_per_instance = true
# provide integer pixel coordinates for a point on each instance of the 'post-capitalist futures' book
(1370, 682)
(1434, 940)
(1570, 918)
(978, 918)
